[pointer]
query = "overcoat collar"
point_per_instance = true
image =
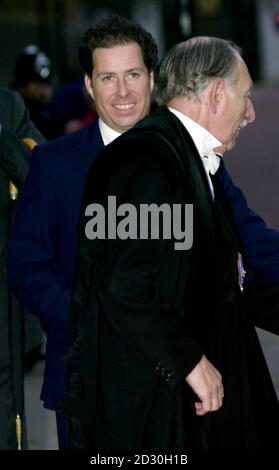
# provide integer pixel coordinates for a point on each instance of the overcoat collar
(173, 134)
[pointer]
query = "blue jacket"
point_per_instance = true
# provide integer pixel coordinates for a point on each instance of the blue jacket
(43, 246)
(260, 243)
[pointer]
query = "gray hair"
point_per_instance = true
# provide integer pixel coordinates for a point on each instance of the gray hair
(190, 65)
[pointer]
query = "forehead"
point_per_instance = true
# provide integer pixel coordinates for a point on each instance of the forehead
(244, 80)
(118, 58)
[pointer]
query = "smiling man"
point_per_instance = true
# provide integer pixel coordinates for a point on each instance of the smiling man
(118, 57)
(120, 85)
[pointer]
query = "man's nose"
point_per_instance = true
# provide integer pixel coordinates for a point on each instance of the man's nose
(123, 88)
(250, 112)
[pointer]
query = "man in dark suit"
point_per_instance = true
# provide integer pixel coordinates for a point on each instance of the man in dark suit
(118, 57)
(164, 353)
(14, 161)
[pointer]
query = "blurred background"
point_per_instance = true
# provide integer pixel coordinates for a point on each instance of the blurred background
(55, 27)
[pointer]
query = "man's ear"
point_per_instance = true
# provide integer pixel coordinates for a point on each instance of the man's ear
(88, 85)
(215, 94)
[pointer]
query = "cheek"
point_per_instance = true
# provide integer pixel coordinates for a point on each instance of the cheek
(230, 130)
(101, 97)
(236, 119)
(243, 108)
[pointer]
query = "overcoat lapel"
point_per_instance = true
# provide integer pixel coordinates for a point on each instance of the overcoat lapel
(189, 157)
(89, 145)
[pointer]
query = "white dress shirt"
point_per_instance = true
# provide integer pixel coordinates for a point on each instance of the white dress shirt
(205, 143)
(108, 134)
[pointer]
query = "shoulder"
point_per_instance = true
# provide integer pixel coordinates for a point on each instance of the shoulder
(157, 130)
(15, 117)
(7, 95)
(11, 102)
(153, 139)
(69, 144)
(11, 98)
(144, 148)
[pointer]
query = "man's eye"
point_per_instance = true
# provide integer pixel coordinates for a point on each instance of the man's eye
(107, 78)
(134, 74)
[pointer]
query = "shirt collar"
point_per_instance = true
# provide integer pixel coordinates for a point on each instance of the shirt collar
(203, 140)
(205, 143)
(108, 134)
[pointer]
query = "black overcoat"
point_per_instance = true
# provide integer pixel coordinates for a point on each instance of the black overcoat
(19, 333)
(143, 313)
(14, 162)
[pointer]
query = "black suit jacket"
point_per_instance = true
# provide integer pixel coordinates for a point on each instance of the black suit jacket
(14, 161)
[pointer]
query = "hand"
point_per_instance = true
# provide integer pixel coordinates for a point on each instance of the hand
(207, 384)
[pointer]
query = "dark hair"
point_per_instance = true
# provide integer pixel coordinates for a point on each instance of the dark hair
(190, 65)
(115, 31)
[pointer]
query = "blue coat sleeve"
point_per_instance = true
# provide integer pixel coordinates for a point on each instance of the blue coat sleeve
(260, 243)
(33, 250)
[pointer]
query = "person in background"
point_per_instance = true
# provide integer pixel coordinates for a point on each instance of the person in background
(19, 334)
(164, 350)
(72, 106)
(33, 79)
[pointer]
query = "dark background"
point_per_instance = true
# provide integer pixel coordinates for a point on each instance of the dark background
(56, 26)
